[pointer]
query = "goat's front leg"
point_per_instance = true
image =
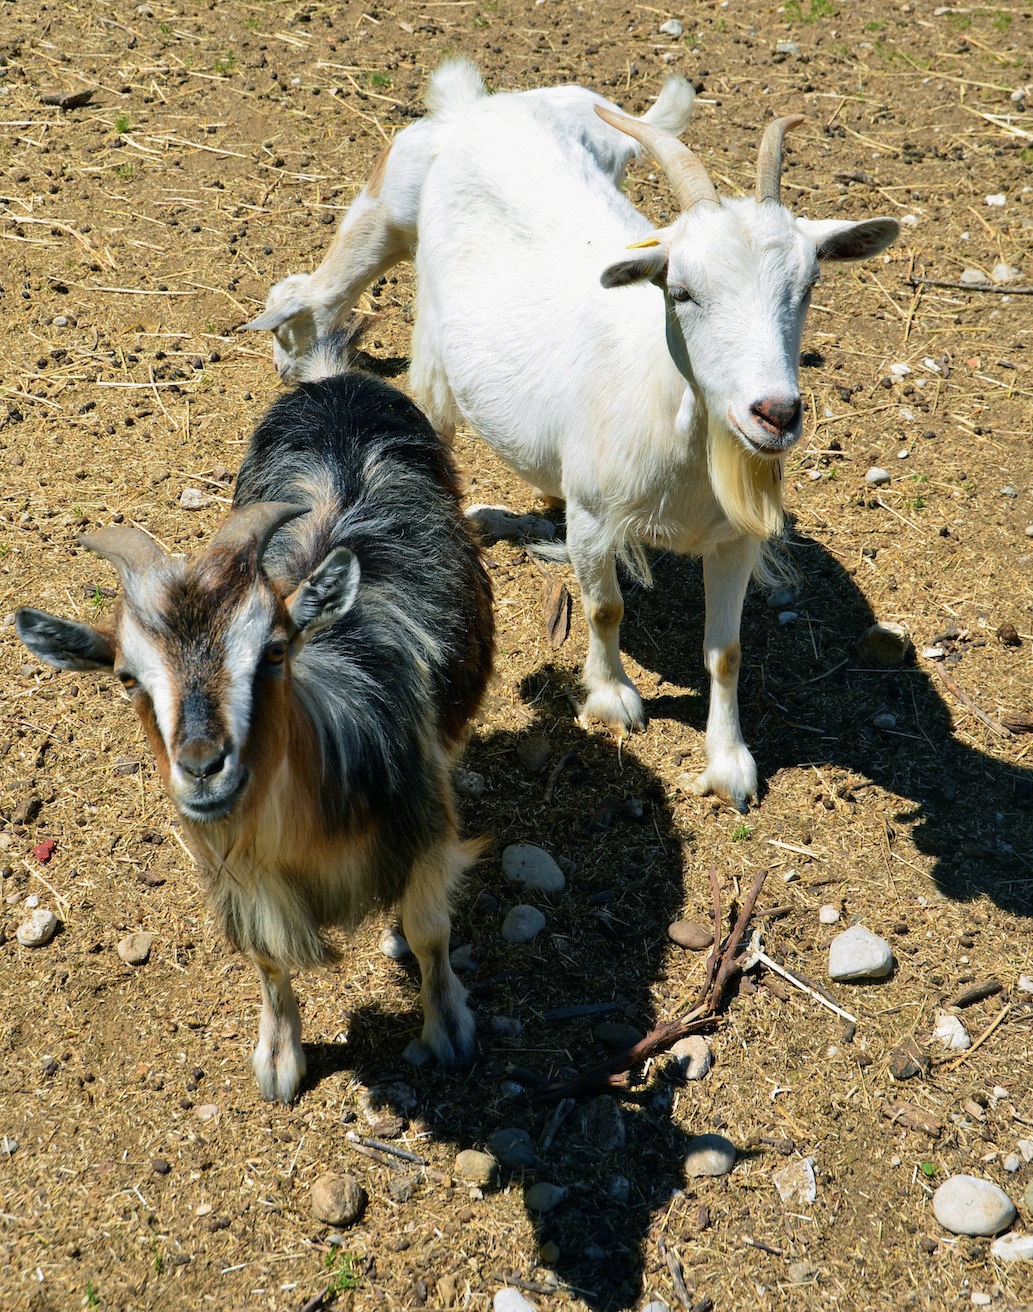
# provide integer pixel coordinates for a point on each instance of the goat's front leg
(278, 1060)
(612, 697)
(731, 770)
(449, 1029)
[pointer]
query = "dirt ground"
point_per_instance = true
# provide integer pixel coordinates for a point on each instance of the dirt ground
(140, 1170)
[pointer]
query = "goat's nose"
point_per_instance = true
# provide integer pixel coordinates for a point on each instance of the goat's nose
(780, 414)
(202, 758)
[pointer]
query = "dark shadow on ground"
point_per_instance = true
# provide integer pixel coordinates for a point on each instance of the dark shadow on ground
(606, 820)
(806, 697)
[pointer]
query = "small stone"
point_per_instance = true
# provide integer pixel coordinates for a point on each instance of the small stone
(877, 476)
(672, 28)
(780, 599)
(787, 48)
(619, 1189)
(795, 1182)
(709, 1154)
(513, 1148)
(801, 1272)
(996, 200)
(828, 914)
(687, 934)
(615, 1035)
(160, 1166)
(463, 960)
(950, 1033)
(692, 1059)
(934, 653)
(37, 930)
(8, 1145)
(401, 1188)
(886, 644)
(416, 1054)
(1005, 273)
(1025, 1147)
(857, 955)
(1012, 1163)
(1008, 635)
(60, 321)
(908, 1061)
(1013, 1248)
(470, 783)
(544, 1197)
(885, 720)
(522, 925)
(532, 867)
(972, 276)
(1025, 984)
(27, 810)
(478, 1169)
(900, 370)
(393, 945)
(981, 1299)
(967, 1205)
(192, 498)
(511, 1300)
(787, 617)
(134, 949)
(338, 1200)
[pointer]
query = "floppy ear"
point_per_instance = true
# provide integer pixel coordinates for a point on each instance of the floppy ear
(65, 644)
(837, 239)
(275, 315)
(326, 595)
(648, 265)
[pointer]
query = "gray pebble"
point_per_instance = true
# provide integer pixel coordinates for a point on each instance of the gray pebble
(709, 1154)
(967, 1205)
(511, 1300)
(338, 1199)
(619, 1189)
(37, 930)
(692, 1058)
(514, 1148)
(877, 476)
(532, 867)
(972, 276)
(795, 1182)
(544, 1197)
(672, 28)
(780, 599)
(1012, 1163)
(655, 1305)
(857, 955)
(393, 945)
(787, 48)
(886, 644)
(687, 934)
(470, 783)
(463, 960)
(60, 321)
(828, 914)
(8, 1145)
(1013, 1248)
(478, 1169)
(523, 924)
(616, 1035)
(787, 617)
(135, 949)
(507, 1026)
(885, 720)
(533, 753)
(192, 498)
(417, 1054)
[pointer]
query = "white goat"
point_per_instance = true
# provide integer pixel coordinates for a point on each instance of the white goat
(660, 413)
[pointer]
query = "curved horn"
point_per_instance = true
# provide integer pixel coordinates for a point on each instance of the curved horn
(685, 172)
(256, 524)
(769, 160)
(130, 550)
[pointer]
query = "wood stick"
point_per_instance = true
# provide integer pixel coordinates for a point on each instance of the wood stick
(993, 725)
(1001, 290)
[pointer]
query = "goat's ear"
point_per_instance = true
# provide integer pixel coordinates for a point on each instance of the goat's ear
(648, 264)
(65, 644)
(275, 315)
(839, 240)
(328, 593)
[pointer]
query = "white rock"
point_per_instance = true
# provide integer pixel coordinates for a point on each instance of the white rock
(996, 200)
(935, 653)
(135, 949)
(900, 370)
(932, 365)
(1025, 984)
(787, 47)
(1013, 1248)
(858, 954)
(973, 276)
(672, 28)
(828, 914)
(967, 1205)
(532, 867)
(909, 220)
(463, 960)
(1005, 273)
(692, 1058)
(192, 498)
(904, 453)
(1025, 1147)
(37, 930)
(522, 925)
(1012, 1163)
(950, 1033)
(511, 1300)
(544, 1197)
(393, 945)
(876, 476)
(709, 1154)
(796, 1183)
(32, 902)
(981, 1299)
(1018, 96)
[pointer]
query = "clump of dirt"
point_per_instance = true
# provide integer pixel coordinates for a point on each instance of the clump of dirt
(142, 224)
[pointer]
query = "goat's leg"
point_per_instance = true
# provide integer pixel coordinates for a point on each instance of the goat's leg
(278, 1060)
(731, 770)
(448, 1023)
(612, 697)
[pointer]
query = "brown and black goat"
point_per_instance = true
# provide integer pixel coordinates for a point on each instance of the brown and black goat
(305, 684)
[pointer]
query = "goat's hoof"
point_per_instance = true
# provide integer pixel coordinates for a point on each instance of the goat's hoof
(618, 706)
(279, 1080)
(452, 1040)
(736, 787)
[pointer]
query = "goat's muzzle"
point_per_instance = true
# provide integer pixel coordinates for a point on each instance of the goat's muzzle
(209, 780)
(780, 416)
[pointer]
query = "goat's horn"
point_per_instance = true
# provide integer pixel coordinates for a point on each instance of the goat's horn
(769, 160)
(256, 524)
(130, 550)
(686, 173)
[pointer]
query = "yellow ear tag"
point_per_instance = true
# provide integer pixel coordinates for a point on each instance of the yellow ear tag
(640, 245)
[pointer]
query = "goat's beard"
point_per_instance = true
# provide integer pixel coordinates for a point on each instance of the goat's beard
(748, 487)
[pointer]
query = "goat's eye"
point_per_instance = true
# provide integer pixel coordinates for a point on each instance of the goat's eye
(126, 680)
(680, 294)
(276, 653)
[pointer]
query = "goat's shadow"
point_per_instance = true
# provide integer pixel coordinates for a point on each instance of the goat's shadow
(605, 817)
(808, 697)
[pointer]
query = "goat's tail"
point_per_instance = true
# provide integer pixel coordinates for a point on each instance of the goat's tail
(672, 108)
(332, 354)
(453, 86)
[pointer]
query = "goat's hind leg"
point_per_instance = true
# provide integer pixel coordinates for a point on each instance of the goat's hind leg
(278, 1060)
(448, 1023)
